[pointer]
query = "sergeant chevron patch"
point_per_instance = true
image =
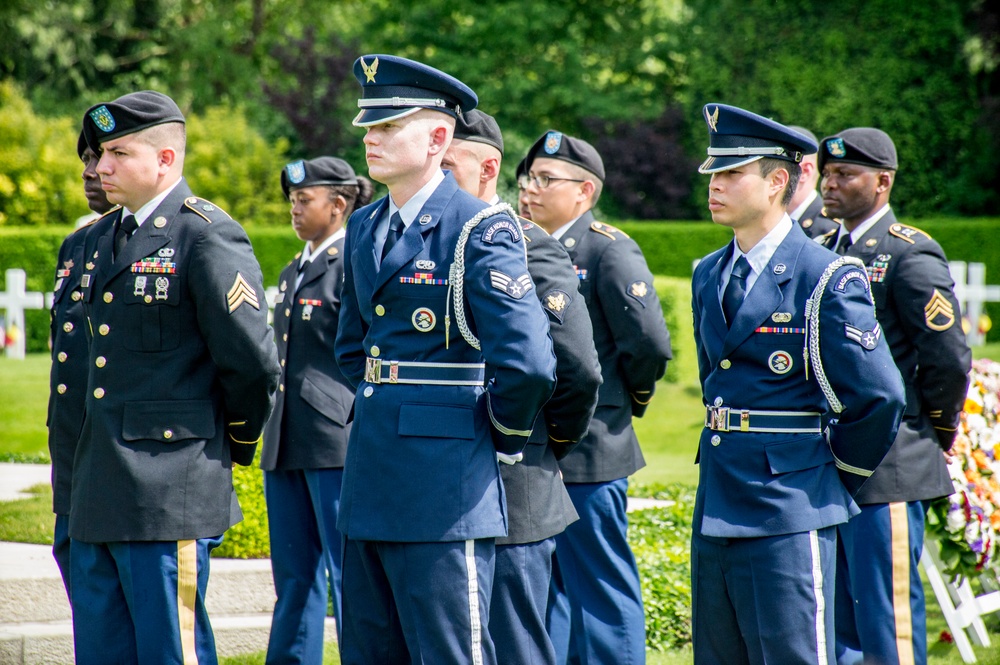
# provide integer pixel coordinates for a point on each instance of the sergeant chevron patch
(241, 292)
(938, 312)
(514, 287)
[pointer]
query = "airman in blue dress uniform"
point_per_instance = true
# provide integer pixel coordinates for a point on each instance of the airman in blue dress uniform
(802, 402)
(595, 613)
(305, 441)
(538, 506)
(182, 369)
(879, 550)
(68, 377)
(449, 350)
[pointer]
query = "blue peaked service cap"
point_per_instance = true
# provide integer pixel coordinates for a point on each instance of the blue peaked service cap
(737, 137)
(394, 87)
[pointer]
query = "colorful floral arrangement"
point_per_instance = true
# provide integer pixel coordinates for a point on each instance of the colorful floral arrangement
(967, 523)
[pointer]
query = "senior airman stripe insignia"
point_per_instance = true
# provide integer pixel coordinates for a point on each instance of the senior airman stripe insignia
(241, 292)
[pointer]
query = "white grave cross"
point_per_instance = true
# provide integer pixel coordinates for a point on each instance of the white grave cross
(971, 291)
(15, 300)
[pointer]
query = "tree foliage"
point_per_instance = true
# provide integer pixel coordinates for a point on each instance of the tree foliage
(630, 76)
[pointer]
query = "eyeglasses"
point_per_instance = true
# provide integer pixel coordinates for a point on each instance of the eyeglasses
(541, 181)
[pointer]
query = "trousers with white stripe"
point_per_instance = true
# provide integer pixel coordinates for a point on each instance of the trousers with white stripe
(764, 600)
(426, 603)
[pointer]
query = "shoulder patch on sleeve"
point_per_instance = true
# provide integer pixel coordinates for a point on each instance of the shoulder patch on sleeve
(907, 233)
(502, 225)
(205, 209)
(515, 287)
(241, 292)
(848, 276)
(939, 315)
(555, 303)
(638, 290)
(607, 230)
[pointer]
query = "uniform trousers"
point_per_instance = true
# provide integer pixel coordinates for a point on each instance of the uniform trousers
(60, 550)
(142, 602)
(881, 616)
(517, 609)
(306, 550)
(598, 581)
(764, 600)
(419, 603)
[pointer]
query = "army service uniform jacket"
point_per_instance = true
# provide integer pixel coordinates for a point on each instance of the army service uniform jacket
(921, 320)
(182, 373)
(814, 223)
(538, 504)
(308, 428)
(632, 343)
(765, 484)
(421, 464)
(68, 376)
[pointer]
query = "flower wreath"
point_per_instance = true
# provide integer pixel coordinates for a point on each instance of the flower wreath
(967, 523)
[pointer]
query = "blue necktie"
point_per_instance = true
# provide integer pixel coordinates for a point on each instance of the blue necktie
(736, 289)
(394, 233)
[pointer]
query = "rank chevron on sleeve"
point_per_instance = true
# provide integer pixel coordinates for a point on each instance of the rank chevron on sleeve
(241, 292)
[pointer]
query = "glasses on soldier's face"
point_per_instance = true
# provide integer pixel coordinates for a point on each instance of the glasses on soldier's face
(541, 181)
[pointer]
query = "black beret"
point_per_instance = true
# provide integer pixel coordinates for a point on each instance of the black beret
(480, 127)
(319, 171)
(556, 145)
(737, 137)
(393, 87)
(128, 114)
(866, 146)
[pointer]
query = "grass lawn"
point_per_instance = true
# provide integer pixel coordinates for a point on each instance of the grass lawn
(24, 398)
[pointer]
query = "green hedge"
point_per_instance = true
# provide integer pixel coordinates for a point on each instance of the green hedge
(670, 249)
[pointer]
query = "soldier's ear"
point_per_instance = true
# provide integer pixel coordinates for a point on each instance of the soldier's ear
(166, 158)
(885, 180)
(489, 169)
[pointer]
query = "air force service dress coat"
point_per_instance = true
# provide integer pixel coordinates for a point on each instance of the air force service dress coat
(309, 428)
(421, 465)
(766, 484)
(538, 505)
(182, 370)
(920, 319)
(68, 377)
(632, 343)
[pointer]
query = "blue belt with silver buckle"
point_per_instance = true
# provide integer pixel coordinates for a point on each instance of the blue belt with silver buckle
(728, 419)
(431, 374)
